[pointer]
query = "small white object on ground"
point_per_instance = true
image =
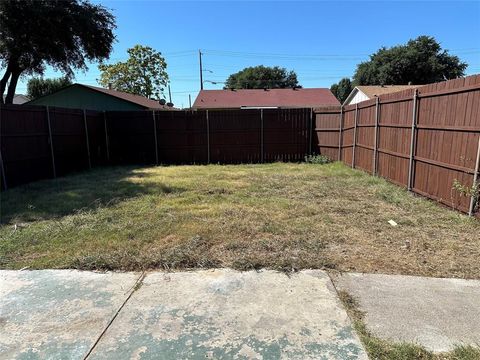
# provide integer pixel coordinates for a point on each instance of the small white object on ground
(393, 223)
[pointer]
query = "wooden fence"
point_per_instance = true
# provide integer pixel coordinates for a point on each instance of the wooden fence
(41, 142)
(424, 140)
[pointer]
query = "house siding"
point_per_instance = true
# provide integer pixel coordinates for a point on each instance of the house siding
(358, 97)
(78, 97)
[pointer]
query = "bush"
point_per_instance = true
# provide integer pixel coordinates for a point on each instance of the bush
(317, 159)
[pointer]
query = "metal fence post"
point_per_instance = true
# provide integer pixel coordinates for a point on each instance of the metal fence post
(155, 136)
(310, 132)
(475, 186)
(262, 156)
(340, 134)
(86, 137)
(208, 139)
(354, 136)
(106, 136)
(375, 141)
(51, 142)
(412, 141)
(3, 172)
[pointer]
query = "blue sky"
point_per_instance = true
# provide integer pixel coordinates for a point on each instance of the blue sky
(322, 41)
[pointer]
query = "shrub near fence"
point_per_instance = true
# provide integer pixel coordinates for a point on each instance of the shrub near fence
(41, 142)
(424, 140)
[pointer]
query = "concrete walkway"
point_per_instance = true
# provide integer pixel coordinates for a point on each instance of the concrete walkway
(220, 314)
(436, 313)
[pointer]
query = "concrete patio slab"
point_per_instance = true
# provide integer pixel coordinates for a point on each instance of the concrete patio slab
(436, 313)
(57, 314)
(225, 314)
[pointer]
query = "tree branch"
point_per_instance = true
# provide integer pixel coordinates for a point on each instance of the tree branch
(3, 82)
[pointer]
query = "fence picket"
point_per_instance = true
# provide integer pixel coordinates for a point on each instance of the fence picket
(86, 138)
(51, 142)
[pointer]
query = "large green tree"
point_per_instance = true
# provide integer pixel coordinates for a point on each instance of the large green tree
(419, 61)
(37, 87)
(144, 73)
(260, 77)
(342, 89)
(62, 34)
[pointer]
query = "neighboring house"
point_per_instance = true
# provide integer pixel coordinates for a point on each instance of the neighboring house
(79, 96)
(18, 99)
(264, 98)
(367, 92)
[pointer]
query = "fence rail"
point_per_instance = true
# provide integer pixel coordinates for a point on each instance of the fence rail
(423, 139)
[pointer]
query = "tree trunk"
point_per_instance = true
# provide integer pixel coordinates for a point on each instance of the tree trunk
(12, 86)
(3, 82)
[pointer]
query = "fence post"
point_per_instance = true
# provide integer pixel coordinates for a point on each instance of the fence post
(106, 136)
(310, 132)
(412, 142)
(51, 142)
(340, 134)
(375, 141)
(86, 137)
(3, 172)
(208, 139)
(354, 136)
(262, 159)
(155, 136)
(475, 186)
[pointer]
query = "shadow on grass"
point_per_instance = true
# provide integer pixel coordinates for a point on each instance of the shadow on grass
(102, 187)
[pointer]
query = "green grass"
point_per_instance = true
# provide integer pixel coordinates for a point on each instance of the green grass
(380, 349)
(281, 216)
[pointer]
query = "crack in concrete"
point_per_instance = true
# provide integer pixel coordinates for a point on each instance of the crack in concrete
(132, 290)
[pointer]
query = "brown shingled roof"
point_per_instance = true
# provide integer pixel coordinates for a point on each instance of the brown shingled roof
(284, 98)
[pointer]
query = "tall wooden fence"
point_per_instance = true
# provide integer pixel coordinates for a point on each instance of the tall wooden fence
(425, 140)
(41, 142)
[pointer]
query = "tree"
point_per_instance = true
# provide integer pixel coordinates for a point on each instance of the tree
(62, 34)
(420, 61)
(260, 77)
(144, 73)
(37, 87)
(342, 89)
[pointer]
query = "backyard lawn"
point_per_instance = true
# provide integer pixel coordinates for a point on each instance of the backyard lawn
(281, 216)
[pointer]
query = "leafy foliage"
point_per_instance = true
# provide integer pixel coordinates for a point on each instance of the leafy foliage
(144, 73)
(261, 77)
(64, 35)
(420, 61)
(317, 159)
(342, 89)
(467, 191)
(37, 87)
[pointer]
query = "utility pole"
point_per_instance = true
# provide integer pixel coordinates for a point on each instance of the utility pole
(201, 69)
(190, 100)
(169, 94)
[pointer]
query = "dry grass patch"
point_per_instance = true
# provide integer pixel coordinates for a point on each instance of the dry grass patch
(280, 216)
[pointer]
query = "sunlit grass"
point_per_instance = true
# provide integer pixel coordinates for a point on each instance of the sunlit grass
(281, 216)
